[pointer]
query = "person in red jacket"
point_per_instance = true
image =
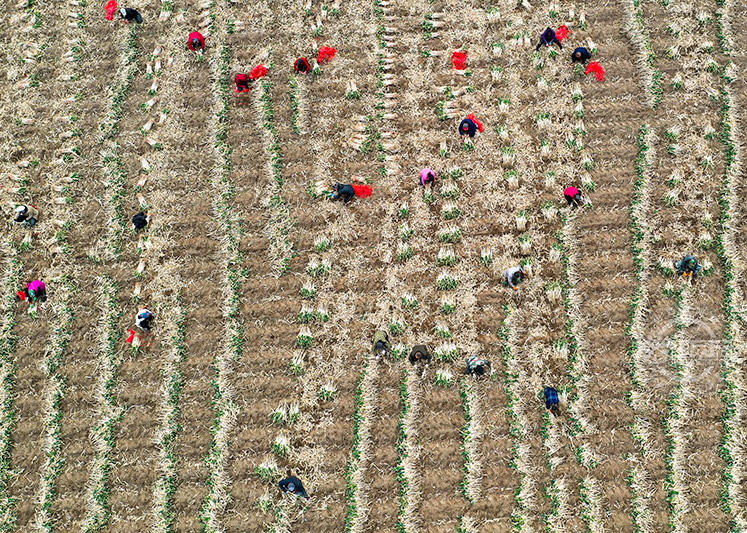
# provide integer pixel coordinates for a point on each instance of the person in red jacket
(242, 83)
(196, 41)
(301, 65)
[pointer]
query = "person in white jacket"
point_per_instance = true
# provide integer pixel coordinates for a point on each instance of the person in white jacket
(514, 276)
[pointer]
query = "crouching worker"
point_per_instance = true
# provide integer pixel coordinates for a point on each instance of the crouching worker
(477, 366)
(26, 214)
(580, 55)
(293, 485)
(548, 38)
(144, 319)
(427, 177)
(419, 354)
(574, 197)
(129, 14)
(346, 192)
(196, 42)
(302, 65)
(242, 82)
(381, 344)
(139, 220)
(552, 401)
(36, 291)
(688, 267)
(514, 276)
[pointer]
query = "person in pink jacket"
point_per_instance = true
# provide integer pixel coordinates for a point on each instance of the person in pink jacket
(574, 197)
(34, 291)
(427, 177)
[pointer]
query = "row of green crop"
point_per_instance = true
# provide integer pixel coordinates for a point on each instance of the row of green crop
(229, 221)
(640, 237)
(104, 431)
(635, 26)
(54, 393)
(407, 454)
(676, 424)
(280, 223)
(357, 510)
(171, 425)
(519, 428)
(8, 416)
(732, 447)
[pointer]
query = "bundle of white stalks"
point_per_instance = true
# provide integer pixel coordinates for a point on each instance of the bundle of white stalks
(26, 121)
(521, 222)
(150, 103)
(145, 164)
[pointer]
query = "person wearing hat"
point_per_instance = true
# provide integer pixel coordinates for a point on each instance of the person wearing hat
(381, 344)
(242, 82)
(688, 267)
(467, 127)
(195, 41)
(144, 319)
(419, 354)
(293, 485)
(302, 65)
(27, 214)
(477, 366)
(129, 14)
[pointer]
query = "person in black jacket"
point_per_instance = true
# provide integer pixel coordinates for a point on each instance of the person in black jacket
(293, 485)
(140, 220)
(419, 354)
(343, 192)
(580, 55)
(129, 14)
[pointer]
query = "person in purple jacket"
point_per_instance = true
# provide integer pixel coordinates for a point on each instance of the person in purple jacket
(548, 38)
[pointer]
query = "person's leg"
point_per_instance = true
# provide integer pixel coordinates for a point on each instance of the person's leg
(569, 199)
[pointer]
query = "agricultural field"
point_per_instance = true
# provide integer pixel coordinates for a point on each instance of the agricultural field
(267, 295)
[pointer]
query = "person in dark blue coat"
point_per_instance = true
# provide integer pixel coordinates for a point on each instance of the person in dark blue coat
(580, 55)
(293, 485)
(552, 401)
(467, 127)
